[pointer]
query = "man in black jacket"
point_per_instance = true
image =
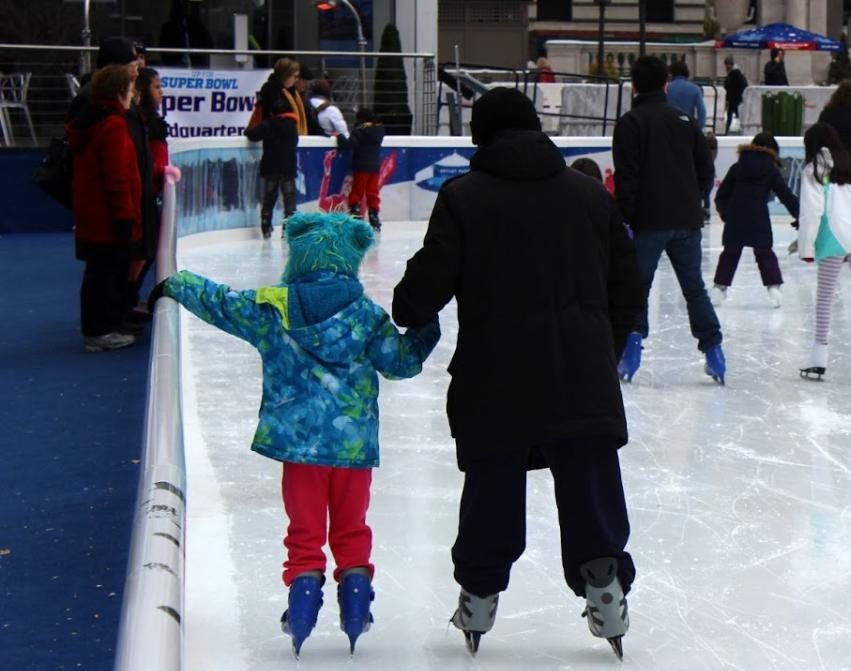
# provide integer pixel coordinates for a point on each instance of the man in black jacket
(775, 69)
(547, 287)
(734, 87)
(662, 167)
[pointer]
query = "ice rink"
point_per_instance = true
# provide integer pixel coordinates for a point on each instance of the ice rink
(739, 497)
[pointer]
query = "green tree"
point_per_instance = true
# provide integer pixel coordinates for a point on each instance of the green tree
(391, 84)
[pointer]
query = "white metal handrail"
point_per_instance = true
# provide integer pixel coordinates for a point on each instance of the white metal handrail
(151, 631)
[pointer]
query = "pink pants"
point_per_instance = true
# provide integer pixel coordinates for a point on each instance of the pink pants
(312, 495)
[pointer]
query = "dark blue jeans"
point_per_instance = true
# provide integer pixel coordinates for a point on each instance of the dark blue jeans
(683, 250)
(591, 510)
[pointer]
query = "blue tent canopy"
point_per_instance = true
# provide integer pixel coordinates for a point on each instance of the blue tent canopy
(780, 36)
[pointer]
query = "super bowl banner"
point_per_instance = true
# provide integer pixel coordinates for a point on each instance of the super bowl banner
(209, 103)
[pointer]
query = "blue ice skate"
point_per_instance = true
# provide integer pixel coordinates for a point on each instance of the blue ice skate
(715, 366)
(354, 594)
(631, 358)
(303, 606)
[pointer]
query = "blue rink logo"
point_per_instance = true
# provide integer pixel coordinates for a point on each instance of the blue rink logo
(433, 177)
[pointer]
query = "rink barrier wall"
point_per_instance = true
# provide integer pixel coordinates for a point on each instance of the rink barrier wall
(218, 192)
(151, 631)
(221, 187)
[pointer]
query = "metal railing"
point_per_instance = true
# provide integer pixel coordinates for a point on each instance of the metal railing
(460, 84)
(151, 631)
(53, 66)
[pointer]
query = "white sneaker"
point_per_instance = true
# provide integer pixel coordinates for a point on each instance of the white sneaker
(108, 341)
(775, 296)
(718, 295)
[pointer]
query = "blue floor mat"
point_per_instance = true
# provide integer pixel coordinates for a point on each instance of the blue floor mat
(71, 438)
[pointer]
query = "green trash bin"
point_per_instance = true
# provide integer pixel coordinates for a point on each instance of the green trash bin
(782, 113)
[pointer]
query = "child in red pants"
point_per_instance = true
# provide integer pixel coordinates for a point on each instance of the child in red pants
(365, 144)
(322, 341)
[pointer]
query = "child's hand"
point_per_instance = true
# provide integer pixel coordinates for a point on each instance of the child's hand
(156, 293)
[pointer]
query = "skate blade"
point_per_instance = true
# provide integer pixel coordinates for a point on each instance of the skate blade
(717, 378)
(472, 638)
(617, 646)
(815, 374)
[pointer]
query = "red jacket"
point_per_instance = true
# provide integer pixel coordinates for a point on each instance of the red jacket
(106, 186)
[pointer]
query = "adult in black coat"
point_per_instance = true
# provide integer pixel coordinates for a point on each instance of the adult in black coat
(735, 84)
(120, 51)
(662, 168)
(279, 162)
(837, 112)
(775, 70)
(547, 286)
(283, 86)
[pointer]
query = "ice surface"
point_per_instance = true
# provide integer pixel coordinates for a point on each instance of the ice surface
(739, 498)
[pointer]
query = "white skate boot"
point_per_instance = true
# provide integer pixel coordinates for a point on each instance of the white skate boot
(818, 363)
(606, 608)
(775, 296)
(718, 295)
(475, 616)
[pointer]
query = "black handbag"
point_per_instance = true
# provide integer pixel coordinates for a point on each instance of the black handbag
(53, 175)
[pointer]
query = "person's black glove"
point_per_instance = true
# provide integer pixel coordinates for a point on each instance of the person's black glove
(156, 293)
(123, 229)
(795, 224)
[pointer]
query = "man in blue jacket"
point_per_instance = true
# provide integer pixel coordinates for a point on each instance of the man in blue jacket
(662, 167)
(685, 95)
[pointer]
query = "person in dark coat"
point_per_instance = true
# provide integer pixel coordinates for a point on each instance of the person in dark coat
(365, 144)
(837, 112)
(775, 70)
(281, 86)
(106, 192)
(279, 163)
(547, 288)
(734, 87)
(662, 168)
(742, 203)
(120, 51)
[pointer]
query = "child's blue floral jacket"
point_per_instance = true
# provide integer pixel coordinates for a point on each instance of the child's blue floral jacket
(321, 340)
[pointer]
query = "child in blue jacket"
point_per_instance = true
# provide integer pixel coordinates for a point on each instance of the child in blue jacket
(322, 341)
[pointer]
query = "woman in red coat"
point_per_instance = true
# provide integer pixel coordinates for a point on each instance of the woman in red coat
(106, 197)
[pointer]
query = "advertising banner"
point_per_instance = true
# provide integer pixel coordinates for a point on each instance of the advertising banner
(209, 103)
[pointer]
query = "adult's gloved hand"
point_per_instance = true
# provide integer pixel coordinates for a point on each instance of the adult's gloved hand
(172, 171)
(123, 229)
(156, 293)
(794, 224)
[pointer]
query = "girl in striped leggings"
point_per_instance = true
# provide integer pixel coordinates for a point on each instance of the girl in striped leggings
(824, 235)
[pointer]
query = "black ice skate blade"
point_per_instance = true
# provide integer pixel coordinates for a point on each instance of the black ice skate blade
(472, 639)
(813, 373)
(617, 646)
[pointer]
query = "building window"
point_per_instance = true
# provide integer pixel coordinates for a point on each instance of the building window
(555, 10)
(660, 11)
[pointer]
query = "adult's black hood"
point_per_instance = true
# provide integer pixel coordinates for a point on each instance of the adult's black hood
(522, 155)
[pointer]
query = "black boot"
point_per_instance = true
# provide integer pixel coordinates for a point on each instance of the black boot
(374, 221)
(354, 210)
